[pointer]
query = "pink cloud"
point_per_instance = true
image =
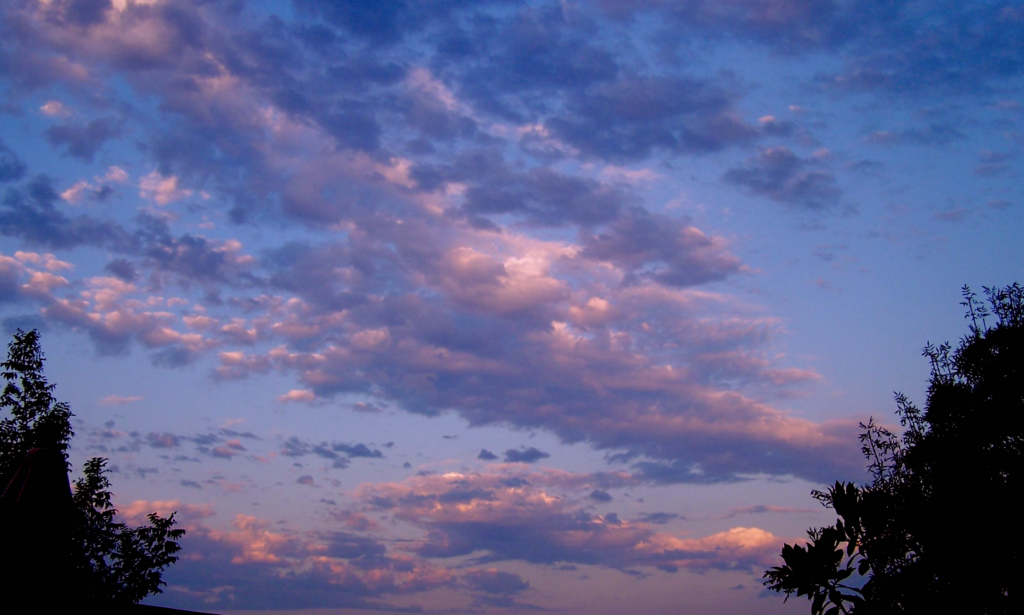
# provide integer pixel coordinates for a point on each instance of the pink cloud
(536, 519)
(296, 395)
(119, 400)
(162, 190)
(188, 515)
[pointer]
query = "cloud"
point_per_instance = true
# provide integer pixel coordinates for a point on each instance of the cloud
(296, 395)
(543, 196)
(30, 214)
(360, 406)
(931, 135)
(250, 565)
(498, 587)
(193, 257)
(461, 514)
(881, 47)
(774, 127)
(161, 190)
(494, 368)
(486, 455)
(986, 38)
(632, 118)
(433, 261)
(99, 192)
(12, 168)
(788, 27)
(356, 521)
(356, 450)
(782, 176)
(586, 344)
(294, 447)
(28, 276)
(493, 581)
(163, 440)
(515, 286)
(118, 400)
(83, 140)
(123, 269)
(227, 450)
(338, 452)
(956, 214)
(655, 246)
(55, 108)
(658, 518)
(377, 26)
(991, 164)
(11, 272)
(529, 455)
(759, 509)
(124, 319)
(75, 193)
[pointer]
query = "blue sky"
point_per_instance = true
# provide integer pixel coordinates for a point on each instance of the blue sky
(494, 306)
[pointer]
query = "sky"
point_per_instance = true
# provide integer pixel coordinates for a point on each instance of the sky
(497, 306)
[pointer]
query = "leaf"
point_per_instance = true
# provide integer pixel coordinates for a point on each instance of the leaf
(818, 604)
(863, 567)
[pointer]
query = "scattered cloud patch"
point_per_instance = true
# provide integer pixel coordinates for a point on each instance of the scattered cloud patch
(12, 168)
(782, 176)
(956, 214)
(161, 190)
(83, 140)
(296, 395)
(120, 400)
(931, 135)
(55, 108)
(163, 440)
(524, 455)
(464, 514)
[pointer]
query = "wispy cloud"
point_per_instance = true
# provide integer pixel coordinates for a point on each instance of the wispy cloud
(118, 400)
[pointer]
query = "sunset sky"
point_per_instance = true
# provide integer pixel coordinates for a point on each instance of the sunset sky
(465, 306)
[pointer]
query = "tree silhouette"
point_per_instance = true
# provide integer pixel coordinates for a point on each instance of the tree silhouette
(931, 532)
(36, 419)
(77, 535)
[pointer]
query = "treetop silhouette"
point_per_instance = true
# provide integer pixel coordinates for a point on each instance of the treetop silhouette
(67, 545)
(931, 532)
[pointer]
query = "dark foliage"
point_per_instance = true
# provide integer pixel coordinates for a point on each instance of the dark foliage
(109, 562)
(35, 419)
(924, 535)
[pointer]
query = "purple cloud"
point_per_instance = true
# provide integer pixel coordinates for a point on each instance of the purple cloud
(528, 455)
(83, 141)
(12, 168)
(782, 176)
